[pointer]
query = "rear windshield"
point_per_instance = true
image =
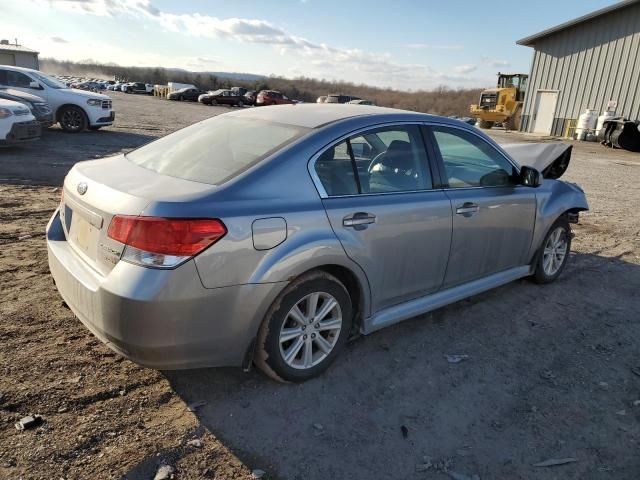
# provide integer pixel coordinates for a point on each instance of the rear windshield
(215, 150)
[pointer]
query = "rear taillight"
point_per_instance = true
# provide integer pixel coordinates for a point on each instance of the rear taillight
(164, 242)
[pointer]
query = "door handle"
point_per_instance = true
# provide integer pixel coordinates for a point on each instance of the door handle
(467, 209)
(357, 219)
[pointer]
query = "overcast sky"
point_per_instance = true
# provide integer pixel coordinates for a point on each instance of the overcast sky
(403, 44)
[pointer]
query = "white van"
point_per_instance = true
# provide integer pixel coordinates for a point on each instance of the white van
(17, 123)
(75, 110)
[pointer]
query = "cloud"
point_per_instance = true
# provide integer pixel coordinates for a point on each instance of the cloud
(464, 69)
(317, 59)
(495, 63)
(431, 46)
(58, 40)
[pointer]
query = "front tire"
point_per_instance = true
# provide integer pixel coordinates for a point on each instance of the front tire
(305, 329)
(73, 119)
(554, 252)
(513, 122)
(485, 124)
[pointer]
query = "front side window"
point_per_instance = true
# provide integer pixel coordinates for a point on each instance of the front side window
(215, 150)
(383, 160)
(469, 161)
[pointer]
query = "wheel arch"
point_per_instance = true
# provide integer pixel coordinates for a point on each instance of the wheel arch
(353, 280)
(560, 199)
(66, 105)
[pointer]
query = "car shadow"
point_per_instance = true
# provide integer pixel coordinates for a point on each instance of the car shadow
(47, 161)
(394, 406)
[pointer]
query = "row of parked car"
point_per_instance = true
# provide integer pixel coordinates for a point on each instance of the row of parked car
(113, 86)
(340, 98)
(31, 100)
(235, 96)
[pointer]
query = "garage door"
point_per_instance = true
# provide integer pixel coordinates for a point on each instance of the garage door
(544, 111)
(7, 59)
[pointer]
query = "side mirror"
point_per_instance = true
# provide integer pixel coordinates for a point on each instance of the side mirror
(35, 86)
(530, 177)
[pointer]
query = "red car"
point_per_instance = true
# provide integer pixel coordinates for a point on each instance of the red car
(272, 97)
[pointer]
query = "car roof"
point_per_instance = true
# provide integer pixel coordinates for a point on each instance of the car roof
(314, 115)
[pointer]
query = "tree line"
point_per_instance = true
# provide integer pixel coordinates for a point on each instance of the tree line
(442, 100)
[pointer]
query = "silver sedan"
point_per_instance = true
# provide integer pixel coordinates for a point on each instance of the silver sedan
(271, 236)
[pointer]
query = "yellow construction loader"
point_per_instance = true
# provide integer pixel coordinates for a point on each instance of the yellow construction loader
(502, 104)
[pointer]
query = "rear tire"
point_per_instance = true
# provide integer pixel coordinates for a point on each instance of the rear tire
(485, 124)
(554, 252)
(305, 329)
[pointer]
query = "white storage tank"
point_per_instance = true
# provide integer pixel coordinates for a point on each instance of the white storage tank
(587, 121)
(603, 118)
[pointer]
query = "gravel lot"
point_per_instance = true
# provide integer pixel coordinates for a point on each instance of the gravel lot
(553, 371)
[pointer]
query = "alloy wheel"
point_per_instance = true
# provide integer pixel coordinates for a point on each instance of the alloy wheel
(555, 250)
(72, 120)
(310, 331)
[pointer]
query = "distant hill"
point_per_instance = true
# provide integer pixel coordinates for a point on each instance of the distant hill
(440, 101)
(246, 77)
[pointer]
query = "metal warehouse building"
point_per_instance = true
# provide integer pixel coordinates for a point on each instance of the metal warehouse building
(590, 62)
(17, 55)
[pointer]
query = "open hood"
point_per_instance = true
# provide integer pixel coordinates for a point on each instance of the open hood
(550, 159)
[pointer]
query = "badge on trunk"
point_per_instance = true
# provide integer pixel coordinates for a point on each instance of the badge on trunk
(82, 188)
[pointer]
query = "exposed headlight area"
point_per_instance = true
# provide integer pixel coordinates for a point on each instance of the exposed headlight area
(5, 113)
(94, 102)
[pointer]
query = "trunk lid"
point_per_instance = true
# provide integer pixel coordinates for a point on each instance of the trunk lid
(96, 191)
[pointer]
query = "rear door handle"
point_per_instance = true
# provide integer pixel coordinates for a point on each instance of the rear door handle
(467, 209)
(357, 219)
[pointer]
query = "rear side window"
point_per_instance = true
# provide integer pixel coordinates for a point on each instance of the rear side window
(383, 160)
(215, 150)
(14, 79)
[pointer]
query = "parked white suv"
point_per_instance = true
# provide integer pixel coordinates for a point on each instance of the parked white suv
(75, 110)
(17, 123)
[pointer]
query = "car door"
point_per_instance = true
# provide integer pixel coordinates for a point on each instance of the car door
(386, 211)
(493, 216)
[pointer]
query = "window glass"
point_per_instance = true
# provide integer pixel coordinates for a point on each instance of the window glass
(335, 171)
(469, 161)
(215, 150)
(398, 161)
(17, 79)
(387, 160)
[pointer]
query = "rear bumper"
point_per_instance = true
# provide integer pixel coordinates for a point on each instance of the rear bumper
(23, 132)
(163, 319)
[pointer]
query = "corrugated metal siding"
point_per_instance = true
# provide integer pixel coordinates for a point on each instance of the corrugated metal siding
(588, 64)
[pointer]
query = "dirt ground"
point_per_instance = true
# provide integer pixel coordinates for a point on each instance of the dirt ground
(553, 372)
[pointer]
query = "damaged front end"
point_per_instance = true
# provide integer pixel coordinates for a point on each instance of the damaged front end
(550, 159)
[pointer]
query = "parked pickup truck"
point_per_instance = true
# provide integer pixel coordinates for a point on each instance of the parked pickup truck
(17, 123)
(75, 110)
(39, 108)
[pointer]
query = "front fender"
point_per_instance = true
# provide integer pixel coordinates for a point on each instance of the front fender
(554, 198)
